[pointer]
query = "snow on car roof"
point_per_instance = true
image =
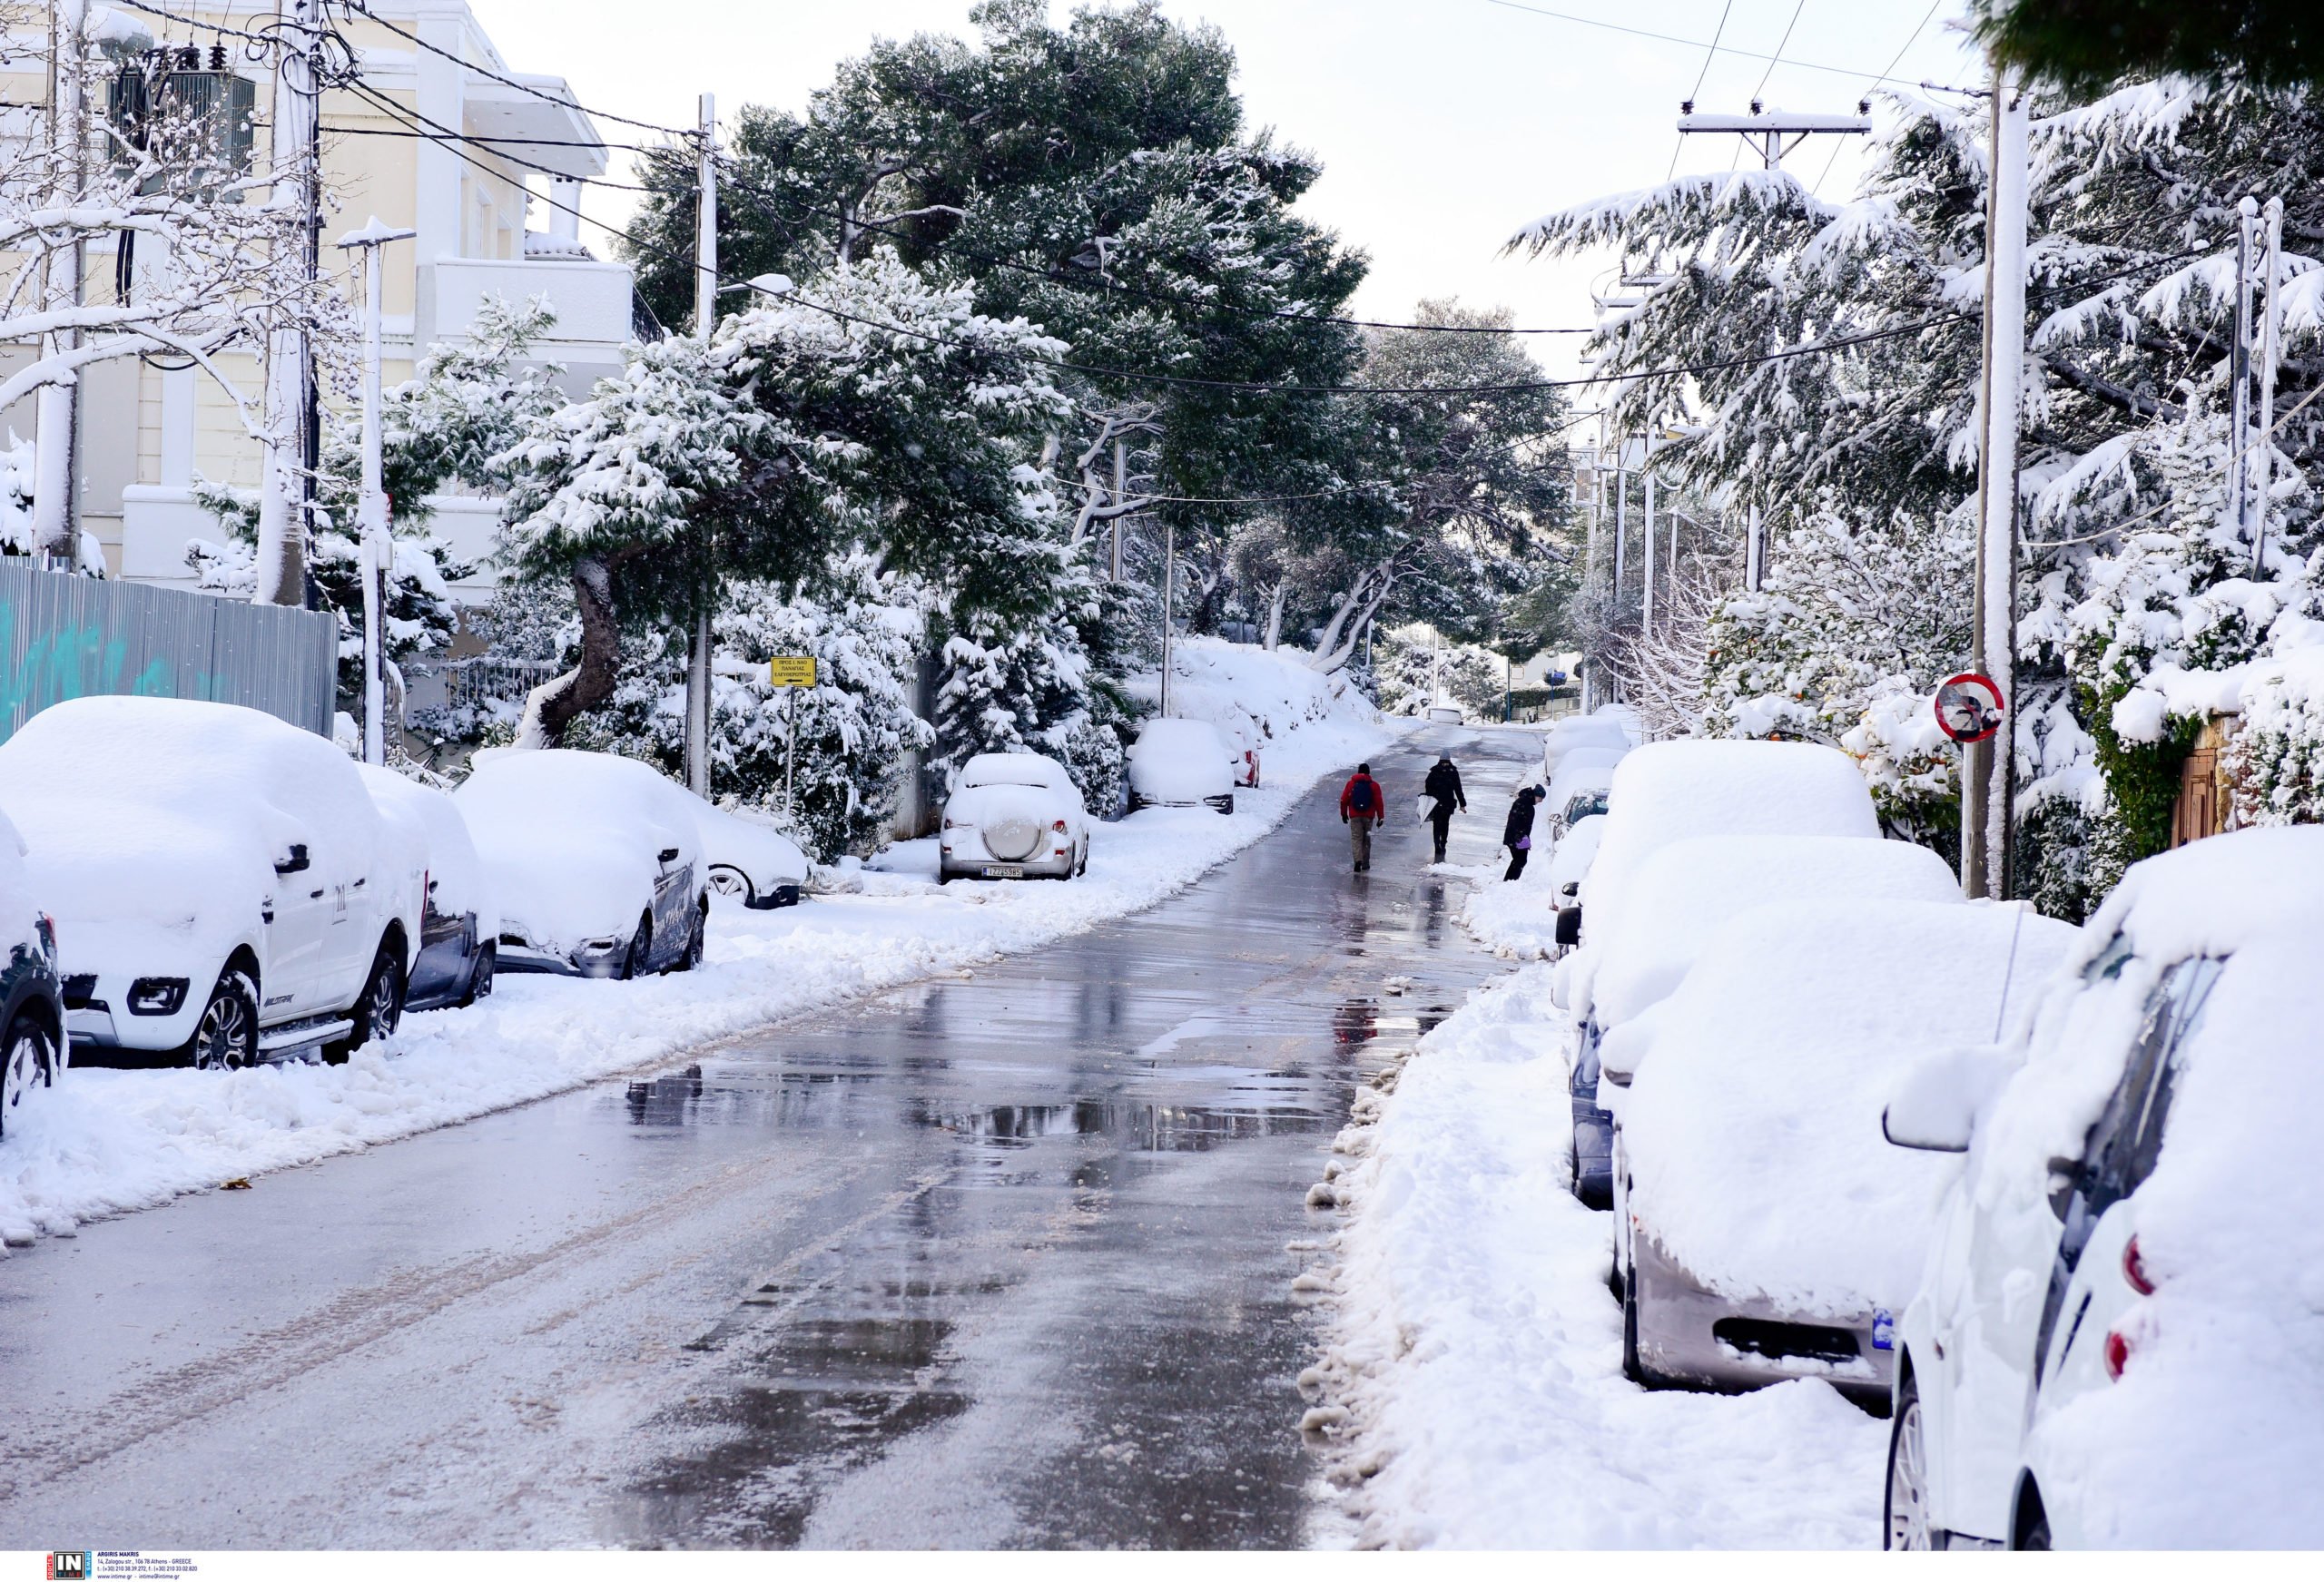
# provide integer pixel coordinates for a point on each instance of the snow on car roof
(449, 852)
(1672, 790)
(1575, 851)
(2208, 896)
(1753, 1130)
(1174, 734)
(1012, 768)
(1683, 894)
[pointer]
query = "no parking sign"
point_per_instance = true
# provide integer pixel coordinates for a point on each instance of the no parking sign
(1969, 706)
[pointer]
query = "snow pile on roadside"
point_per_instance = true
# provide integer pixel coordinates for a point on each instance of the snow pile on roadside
(1478, 1354)
(1229, 684)
(103, 1142)
(1516, 920)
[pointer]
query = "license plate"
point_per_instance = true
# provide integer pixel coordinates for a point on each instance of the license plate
(1004, 871)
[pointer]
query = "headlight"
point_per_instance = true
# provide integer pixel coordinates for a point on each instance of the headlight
(156, 996)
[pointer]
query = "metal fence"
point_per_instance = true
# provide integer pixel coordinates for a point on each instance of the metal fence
(63, 636)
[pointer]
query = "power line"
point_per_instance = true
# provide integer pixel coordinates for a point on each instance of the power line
(1910, 39)
(1778, 56)
(1673, 38)
(1701, 77)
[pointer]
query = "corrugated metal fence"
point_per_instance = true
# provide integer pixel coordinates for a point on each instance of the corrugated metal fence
(63, 636)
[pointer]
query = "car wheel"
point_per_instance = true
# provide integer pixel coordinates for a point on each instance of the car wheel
(641, 950)
(226, 1037)
(481, 975)
(25, 1059)
(1084, 864)
(2033, 1521)
(692, 956)
(1905, 1513)
(377, 1010)
(733, 884)
(1634, 1368)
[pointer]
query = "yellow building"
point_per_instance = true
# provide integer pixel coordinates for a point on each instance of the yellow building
(492, 217)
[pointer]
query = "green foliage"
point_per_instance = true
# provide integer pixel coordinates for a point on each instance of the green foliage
(2088, 44)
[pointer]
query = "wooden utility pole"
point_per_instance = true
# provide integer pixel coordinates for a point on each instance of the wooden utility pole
(705, 321)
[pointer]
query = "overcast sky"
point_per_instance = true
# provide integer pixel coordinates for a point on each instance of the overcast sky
(1443, 125)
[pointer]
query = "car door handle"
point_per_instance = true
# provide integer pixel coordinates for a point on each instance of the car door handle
(314, 895)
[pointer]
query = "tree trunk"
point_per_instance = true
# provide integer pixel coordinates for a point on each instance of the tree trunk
(1274, 619)
(555, 704)
(1350, 621)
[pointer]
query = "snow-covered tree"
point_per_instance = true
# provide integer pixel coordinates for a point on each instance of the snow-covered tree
(194, 235)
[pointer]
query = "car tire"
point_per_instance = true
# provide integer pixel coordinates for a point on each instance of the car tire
(2032, 1522)
(1633, 1368)
(25, 1057)
(641, 950)
(377, 1010)
(691, 957)
(488, 962)
(1083, 866)
(1903, 1508)
(225, 1037)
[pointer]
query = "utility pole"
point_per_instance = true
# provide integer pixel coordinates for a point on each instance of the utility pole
(1122, 480)
(378, 552)
(1597, 489)
(56, 516)
(705, 321)
(2271, 353)
(286, 495)
(1169, 579)
(1646, 608)
(1621, 517)
(1764, 129)
(2239, 422)
(1752, 554)
(1987, 771)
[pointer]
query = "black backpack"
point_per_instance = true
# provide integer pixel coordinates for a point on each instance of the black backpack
(1359, 794)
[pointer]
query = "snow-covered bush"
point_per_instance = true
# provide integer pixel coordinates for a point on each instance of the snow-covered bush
(1409, 670)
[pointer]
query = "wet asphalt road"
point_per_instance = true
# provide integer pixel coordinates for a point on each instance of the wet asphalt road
(997, 1262)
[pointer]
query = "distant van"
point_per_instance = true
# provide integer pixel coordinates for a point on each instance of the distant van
(1445, 715)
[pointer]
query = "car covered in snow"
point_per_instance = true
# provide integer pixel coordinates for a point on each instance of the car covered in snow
(33, 1050)
(1180, 763)
(1679, 900)
(1580, 787)
(1243, 736)
(749, 861)
(459, 923)
(595, 860)
(1602, 731)
(1013, 815)
(224, 886)
(1763, 1229)
(2119, 1336)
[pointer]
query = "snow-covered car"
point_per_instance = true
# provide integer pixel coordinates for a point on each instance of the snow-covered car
(459, 924)
(1576, 732)
(224, 886)
(748, 862)
(1570, 859)
(1241, 735)
(1679, 900)
(2119, 1338)
(596, 860)
(33, 1050)
(1580, 787)
(1446, 714)
(1013, 815)
(1763, 1229)
(1180, 763)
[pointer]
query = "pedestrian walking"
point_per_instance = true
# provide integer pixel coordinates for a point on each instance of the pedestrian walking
(1518, 835)
(1443, 784)
(1361, 805)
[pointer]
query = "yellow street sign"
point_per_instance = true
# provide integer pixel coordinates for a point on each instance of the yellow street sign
(792, 671)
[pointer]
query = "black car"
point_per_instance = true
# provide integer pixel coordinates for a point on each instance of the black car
(456, 961)
(33, 1050)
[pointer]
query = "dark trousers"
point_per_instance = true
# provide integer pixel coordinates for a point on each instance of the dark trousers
(1441, 822)
(1516, 864)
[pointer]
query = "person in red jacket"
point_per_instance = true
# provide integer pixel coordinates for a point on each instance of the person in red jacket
(1361, 805)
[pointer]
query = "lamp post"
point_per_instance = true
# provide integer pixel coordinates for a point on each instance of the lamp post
(371, 504)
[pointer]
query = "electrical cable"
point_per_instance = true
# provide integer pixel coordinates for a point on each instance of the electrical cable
(436, 131)
(1778, 56)
(1701, 77)
(1910, 39)
(1672, 38)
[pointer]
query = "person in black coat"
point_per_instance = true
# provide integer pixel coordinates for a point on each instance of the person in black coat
(1518, 835)
(1443, 783)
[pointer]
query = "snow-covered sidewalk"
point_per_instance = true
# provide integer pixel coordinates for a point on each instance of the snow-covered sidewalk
(103, 1142)
(1475, 1382)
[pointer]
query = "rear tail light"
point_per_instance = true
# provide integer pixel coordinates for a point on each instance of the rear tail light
(2134, 1269)
(1058, 826)
(2118, 1353)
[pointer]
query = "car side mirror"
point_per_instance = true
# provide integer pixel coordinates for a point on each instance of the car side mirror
(1570, 926)
(1935, 1107)
(2065, 1180)
(669, 854)
(293, 860)
(1570, 888)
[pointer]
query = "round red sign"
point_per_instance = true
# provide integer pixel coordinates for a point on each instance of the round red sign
(1968, 707)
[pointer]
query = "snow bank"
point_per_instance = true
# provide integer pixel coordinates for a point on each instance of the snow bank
(103, 1142)
(1235, 685)
(1753, 1133)
(1478, 1354)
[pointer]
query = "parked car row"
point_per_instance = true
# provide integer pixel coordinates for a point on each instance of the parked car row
(2093, 1329)
(215, 887)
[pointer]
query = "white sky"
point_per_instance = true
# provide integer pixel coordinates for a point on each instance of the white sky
(1444, 125)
